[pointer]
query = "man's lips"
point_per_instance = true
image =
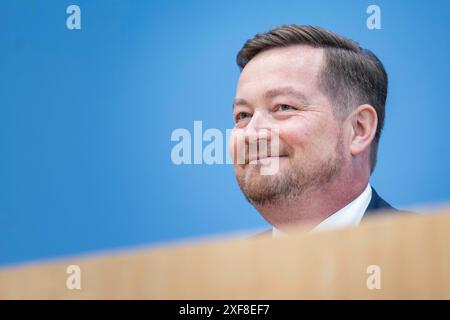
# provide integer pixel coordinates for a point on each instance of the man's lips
(255, 158)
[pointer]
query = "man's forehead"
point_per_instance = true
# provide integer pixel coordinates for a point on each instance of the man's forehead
(275, 70)
(292, 56)
(298, 62)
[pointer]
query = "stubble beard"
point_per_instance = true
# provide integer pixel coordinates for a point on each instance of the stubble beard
(290, 182)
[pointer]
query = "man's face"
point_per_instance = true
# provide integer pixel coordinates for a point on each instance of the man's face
(278, 91)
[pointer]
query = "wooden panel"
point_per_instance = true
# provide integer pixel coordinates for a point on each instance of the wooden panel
(412, 252)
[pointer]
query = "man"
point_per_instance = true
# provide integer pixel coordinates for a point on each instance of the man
(324, 97)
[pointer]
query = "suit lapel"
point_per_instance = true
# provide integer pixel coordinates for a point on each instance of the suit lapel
(376, 205)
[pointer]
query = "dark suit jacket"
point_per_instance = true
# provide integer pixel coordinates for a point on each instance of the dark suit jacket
(376, 205)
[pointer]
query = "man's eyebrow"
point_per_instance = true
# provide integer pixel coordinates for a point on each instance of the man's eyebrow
(285, 91)
(239, 102)
(272, 93)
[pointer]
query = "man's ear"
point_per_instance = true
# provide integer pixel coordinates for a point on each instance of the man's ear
(364, 122)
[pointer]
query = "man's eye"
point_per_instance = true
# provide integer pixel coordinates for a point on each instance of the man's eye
(242, 116)
(284, 107)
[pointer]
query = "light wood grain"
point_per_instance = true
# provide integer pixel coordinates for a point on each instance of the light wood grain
(413, 252)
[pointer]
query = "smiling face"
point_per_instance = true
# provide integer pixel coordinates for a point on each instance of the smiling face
(279, 91)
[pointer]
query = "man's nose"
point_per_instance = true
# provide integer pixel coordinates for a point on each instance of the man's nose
(259, 127)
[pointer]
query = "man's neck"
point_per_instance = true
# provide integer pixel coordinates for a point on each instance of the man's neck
(312, 206)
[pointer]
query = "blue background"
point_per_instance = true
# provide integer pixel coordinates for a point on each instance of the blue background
(86, 115)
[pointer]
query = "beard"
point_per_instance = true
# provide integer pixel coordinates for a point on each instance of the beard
(290, 182)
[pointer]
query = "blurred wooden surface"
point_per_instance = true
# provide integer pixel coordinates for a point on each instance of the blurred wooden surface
(412, 251)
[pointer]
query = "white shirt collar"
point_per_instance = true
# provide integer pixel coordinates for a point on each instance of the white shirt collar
(348, 216)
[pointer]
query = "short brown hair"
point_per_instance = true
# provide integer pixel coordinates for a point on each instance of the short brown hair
(351, 75)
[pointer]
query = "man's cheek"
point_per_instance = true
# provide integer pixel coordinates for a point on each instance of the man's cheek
(293, 138)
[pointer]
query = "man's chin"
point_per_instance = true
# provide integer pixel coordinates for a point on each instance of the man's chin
(260, 195)
(259, 189)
